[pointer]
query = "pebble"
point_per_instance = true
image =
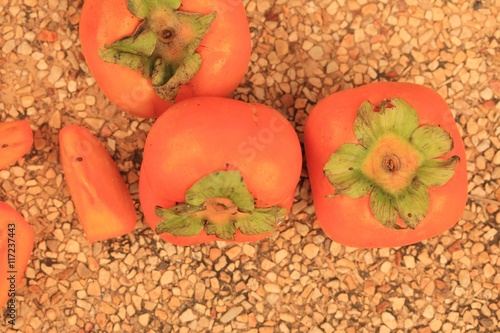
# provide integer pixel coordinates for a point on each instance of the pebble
(429, 312)
(72, 246)
(389, 320)
(231, 314)
(144, 319)
(272, 288)
(9, 46)
(167, 278)
(24, 48)
(282, 48)
(483, 145)
(55, 120)
(94, 289)
(486, 94)
(310, 251)
(435, 325)
(104, 277)
(430, 288)
(409, 261)
(233, 252)
(54, 74)
(489, 271)
(27, 101)
(316, 52)
(187, 316)
(464, 278)
(496, 158)
(281, 255)
(386, 267)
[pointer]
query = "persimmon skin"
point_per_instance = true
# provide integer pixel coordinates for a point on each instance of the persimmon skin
(225, 52)
(208, 134)
(23, 245)
(102, 200)
(349, 221)
(16, 140)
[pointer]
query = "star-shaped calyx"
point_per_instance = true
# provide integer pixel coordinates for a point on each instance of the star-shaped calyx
(163, 47)
(221, 203)
(395, 162)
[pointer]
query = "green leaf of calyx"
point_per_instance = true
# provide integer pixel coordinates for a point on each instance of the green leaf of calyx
(413, 204)
(391, 116)
(224, 231)
(143, 44)
(261, 221)
(399, 117)
(437, 172)
(179, 221)
(142, 8)
(383, 208)
(225, 184)
(347, 158)
(179, 210)
(201, 26)
(366, 127)
(343, 171)
(432, 141)
(130, 51)
(167, 80)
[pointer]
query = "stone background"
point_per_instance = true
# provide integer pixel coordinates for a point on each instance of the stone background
(297, 280)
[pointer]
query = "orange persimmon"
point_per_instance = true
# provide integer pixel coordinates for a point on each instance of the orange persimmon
(226, 170)
(146, 55)
(102, 200)
(387, 165)
(16, 139)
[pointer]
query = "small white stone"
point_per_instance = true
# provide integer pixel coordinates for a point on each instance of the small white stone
(231, 314)
(310, 251)
(389, 320)
(167, 278)
(72, 246)
(24, 48)
(187, 316)
(429, 312)
(486, 94)
(144, 319)
(280, 255)
(27, 101)
(42, 65)
(386, 267)
(9, 46)
(55, 120)
(55, 74)
(316, 52)
(409, 261)
(272, 288)
(72, 86)
(435, 325)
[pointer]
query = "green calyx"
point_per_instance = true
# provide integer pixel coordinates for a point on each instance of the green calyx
(395, 162)
(164, 45)
(222, 204)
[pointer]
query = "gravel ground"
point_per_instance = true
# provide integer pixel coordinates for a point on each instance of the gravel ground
(297, 280)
